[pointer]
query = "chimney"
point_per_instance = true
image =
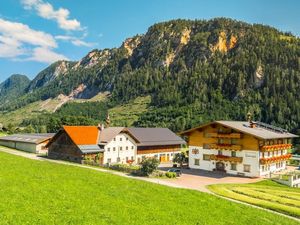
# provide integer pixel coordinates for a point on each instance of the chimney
(101, 126)
(252, 124)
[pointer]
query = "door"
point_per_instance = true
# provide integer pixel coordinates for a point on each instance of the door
(162, 158)
(220, 166)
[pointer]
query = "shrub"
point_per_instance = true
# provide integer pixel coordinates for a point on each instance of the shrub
(125, 168)
(149, 165)
(171, 174)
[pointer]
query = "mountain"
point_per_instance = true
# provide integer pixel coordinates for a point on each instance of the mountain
(193, 72)
(13, 87)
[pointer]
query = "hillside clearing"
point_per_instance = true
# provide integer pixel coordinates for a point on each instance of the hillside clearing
(266, 194)
(36, 192)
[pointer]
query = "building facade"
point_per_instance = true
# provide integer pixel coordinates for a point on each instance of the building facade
(116, 144)
(250, 149)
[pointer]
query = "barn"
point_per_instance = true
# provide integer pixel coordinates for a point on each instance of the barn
(34, 143)
(76, 143)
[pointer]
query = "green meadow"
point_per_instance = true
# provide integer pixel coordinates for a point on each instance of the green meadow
(39, 192)
(267, 194)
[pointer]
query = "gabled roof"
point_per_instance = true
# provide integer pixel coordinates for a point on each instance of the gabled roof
(107, 134)
(261, 132)
(83, 135)
(28, 138)
(155, 136)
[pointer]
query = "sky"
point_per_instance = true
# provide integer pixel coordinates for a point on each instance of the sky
(36, 33)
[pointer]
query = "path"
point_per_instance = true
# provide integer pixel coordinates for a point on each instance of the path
(152, 180)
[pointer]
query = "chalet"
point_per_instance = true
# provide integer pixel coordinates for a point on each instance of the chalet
(236, 147)
(116, 144)
(156, 142)
(34, 143)
(75, 143)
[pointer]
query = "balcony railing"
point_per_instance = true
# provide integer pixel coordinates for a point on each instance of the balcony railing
(275, 159)
(223, 147)
(276, 147)
(220, 135)
(226, 158)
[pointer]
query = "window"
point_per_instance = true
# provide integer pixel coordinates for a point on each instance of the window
(220, 152)
(127, 139)
(132, 158)
(126, 159)
(118, 159)
(114, 139)
(120, 148)
(108, 149)
(197, 162)
(132, 147)
(263, 168)
(126, 147)
(221, 141)
(120, 139)
(233, 154)
(114, 148)
(234, 141)
(233, 166)
(206, 157)
(247, 168)
(108, 160)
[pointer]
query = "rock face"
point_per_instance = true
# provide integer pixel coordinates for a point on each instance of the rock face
(49, 74)
(130, 44)
(95, 57)
(224, 43)
(258, 76)
(184, 39)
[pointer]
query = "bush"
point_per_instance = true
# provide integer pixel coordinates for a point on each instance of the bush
(125, 168)
(149, 165)
(171, 174)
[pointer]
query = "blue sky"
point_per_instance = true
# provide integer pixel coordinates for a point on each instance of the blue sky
(35, 33)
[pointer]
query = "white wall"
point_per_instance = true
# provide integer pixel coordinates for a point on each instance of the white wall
(249, 157)
(121, 141)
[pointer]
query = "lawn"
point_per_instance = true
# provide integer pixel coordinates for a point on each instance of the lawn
(267, 194)
(38, 192)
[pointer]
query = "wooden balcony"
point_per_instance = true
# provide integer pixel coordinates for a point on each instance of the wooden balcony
(220, 135)
(269, 148)
(226, 158)
(223, 147)
(275, 159)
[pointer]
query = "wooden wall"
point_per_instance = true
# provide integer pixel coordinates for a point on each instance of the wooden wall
(64, 148)
(198, 138)
(157, 149)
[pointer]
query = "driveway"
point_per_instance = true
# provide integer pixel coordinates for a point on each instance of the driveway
(198, 179)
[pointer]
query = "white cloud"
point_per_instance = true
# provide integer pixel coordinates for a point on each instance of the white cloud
(41, 54)
(74, 40)
(46, 10)
(19, 42)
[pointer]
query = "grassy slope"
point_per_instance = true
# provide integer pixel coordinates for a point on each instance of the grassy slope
(129, 112)
(35, 192)
(266, 194)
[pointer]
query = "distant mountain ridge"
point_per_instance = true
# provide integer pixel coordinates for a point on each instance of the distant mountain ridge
(194, 71)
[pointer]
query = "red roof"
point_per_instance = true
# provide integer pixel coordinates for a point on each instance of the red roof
(83, 135)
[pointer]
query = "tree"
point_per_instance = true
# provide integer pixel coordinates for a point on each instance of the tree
(149, 165)
(180, 158)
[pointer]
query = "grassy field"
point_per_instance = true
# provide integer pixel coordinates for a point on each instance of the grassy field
(129, 112)
(267, 194)
(37, 192)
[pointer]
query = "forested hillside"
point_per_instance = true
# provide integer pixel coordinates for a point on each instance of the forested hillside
(194, 71)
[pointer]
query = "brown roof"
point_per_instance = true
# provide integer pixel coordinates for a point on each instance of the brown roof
(107, 134)
(83, 135)
(261, 131)
(155, 136)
